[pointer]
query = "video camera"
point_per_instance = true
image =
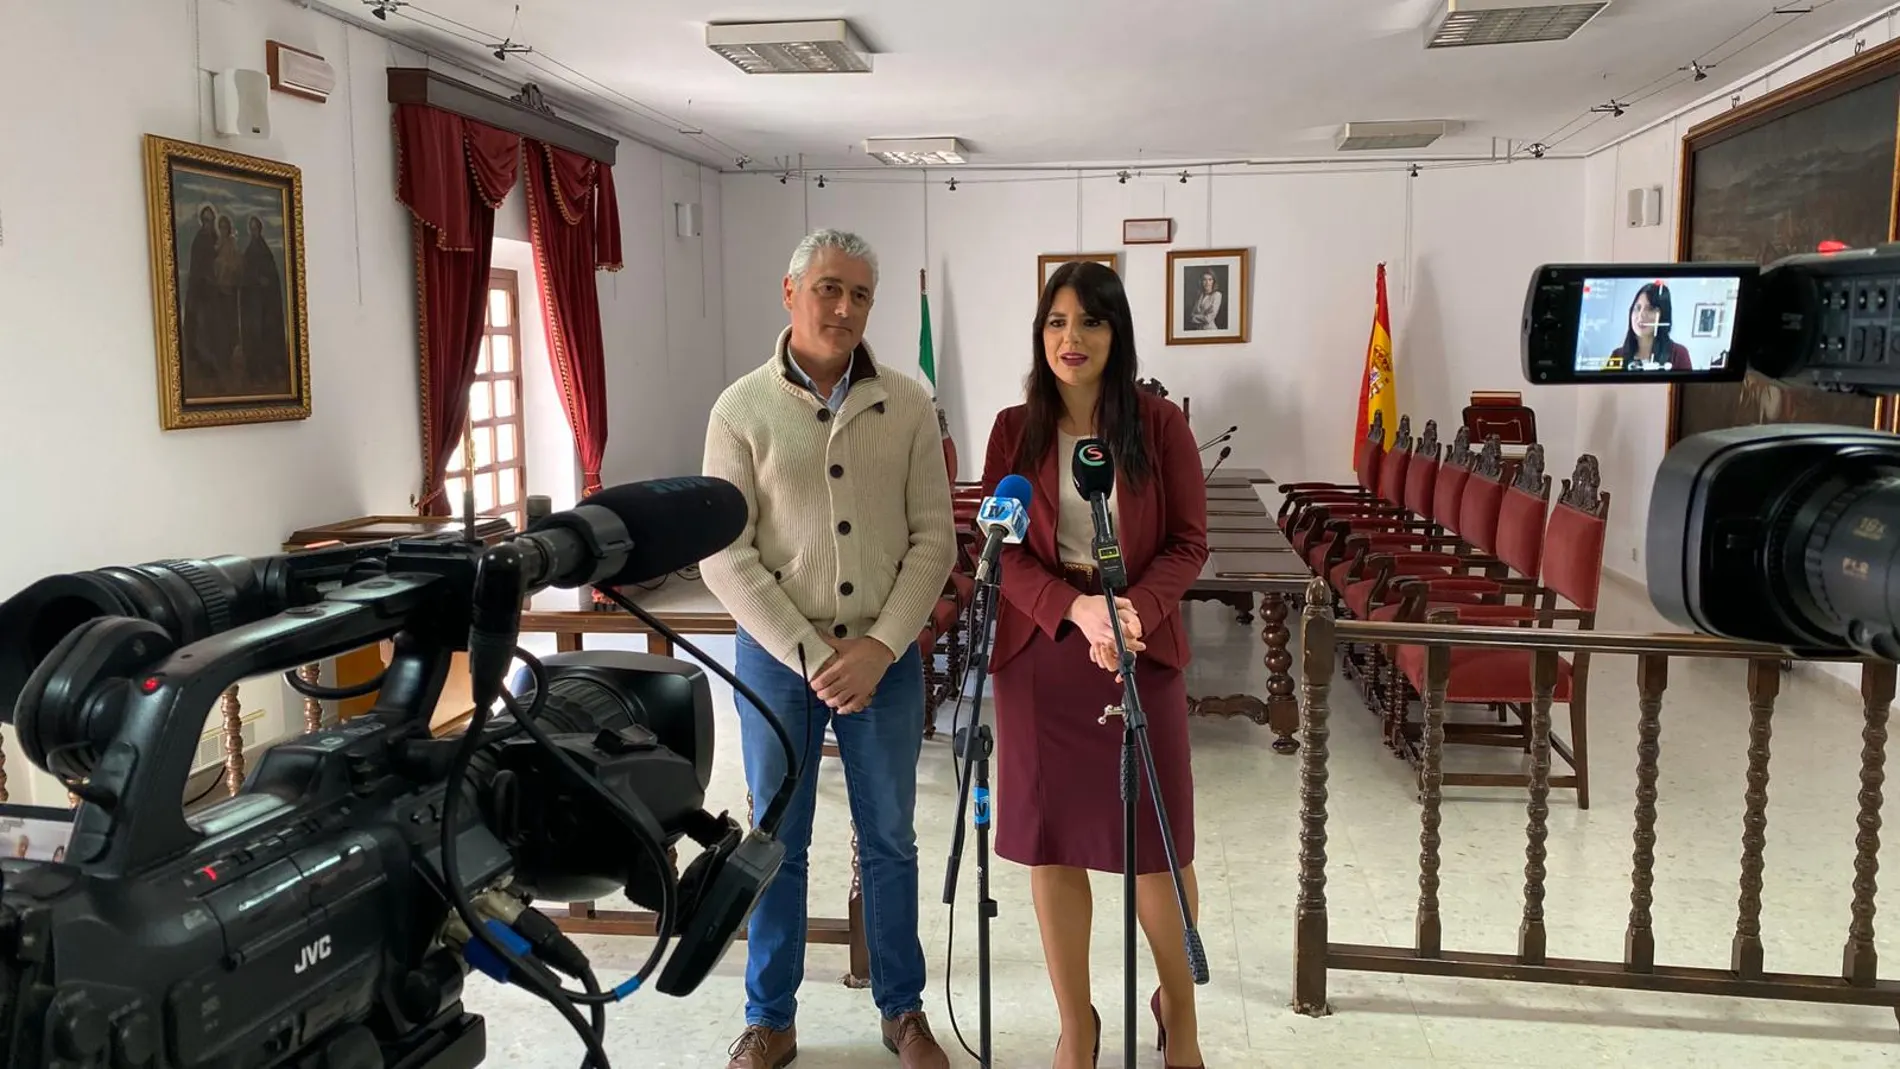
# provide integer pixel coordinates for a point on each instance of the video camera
(327, 914)
(1782, 534)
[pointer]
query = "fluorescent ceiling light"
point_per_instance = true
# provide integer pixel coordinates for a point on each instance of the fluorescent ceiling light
(1458, 23)
(1378, 136)
(915, 151)
(820, 47)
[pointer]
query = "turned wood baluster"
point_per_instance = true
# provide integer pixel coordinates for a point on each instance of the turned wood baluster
(233, 740)
(1764, 684)
(312, 708)
(1859, 963)
(1639, 941)
(3, 765)
(1530, 934)
(1316, 678)
(1429, 928)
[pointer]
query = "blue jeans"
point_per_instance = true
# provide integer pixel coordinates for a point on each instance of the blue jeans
(880, 746)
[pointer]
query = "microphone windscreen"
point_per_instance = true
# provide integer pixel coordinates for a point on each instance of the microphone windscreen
(1226, 451)
(673, 522)
(1017, 488)
(1092, 470)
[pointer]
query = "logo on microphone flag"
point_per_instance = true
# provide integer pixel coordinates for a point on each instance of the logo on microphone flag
(1378, 388)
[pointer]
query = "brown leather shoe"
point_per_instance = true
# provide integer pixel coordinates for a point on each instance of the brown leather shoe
(909, 1038)
(759, 1047)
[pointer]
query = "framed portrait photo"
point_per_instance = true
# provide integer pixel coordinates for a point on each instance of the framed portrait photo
(1208, 292)
(1047, 263)
(232, 326)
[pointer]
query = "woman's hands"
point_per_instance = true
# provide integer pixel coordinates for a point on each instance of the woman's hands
(1089, 613)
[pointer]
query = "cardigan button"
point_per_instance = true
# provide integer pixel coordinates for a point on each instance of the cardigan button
(837, 471)
(840, 630)
(778, 576)
(824, 415)
(845, 589)
(844, 527)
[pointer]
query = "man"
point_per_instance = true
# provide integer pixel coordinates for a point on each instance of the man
(847, 546)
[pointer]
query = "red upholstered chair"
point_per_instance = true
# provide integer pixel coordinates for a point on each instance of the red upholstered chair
(1350, 539)
(1466, 544)
(1366, 459)
(1572, 572)
(1309, 532)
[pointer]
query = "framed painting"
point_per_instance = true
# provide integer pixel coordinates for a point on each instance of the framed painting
(1207, 296)
(232, 325)
(1047, 263)
(1817, 160)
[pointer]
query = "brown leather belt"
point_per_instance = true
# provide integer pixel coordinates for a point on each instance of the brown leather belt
(1083, 577)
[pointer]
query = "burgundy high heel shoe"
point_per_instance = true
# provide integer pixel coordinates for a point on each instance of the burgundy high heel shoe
(1095, 1053)
(1161, 1032)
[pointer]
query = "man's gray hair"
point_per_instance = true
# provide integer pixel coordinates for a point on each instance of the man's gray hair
(842, 240)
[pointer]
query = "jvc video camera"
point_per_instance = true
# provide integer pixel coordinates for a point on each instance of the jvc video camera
(1783, 534)
(327, 914)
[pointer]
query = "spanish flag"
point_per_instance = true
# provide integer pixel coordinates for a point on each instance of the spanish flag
(1378, 391)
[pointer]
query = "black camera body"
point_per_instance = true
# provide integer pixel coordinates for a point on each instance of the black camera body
(327, 914)
(1783, 534)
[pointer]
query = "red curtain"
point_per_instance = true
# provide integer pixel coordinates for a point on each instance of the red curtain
(574, 221)
(451, 173)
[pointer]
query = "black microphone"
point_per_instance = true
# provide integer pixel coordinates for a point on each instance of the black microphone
(1094, 473)
(1226, 451)
(632, 533)
(1219, 438)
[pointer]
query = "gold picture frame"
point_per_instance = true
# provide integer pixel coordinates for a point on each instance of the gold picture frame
(231, 320)
(1047, 263)
(1226, 320)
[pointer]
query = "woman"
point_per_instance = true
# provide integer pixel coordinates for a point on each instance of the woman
(1206, 315)
(1647, 346)
(1054, 658)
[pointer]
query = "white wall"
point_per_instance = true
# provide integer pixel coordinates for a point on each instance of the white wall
(79, 416)
(1626, 426)
(1316, 238)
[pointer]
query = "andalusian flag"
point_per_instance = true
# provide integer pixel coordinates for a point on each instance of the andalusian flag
(1378, 390)
(926, 352)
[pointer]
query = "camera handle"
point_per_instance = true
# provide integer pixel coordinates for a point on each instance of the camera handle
(118, 686)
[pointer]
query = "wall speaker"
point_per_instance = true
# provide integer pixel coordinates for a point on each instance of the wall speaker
(686, 219)
(240, 103)
(1645, 206)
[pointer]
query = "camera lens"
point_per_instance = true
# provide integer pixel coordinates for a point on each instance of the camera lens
(1846, 532)
(190, 599)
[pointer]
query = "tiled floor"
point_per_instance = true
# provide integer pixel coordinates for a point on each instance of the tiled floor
(1247, 804)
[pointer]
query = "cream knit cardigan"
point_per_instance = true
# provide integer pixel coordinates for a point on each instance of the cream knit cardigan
(848, 528)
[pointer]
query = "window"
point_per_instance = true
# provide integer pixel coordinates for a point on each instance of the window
(495, 430)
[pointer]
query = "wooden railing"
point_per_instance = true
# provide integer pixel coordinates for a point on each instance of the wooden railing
(1746, 977)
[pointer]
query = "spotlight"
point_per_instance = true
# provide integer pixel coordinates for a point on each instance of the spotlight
(509, 48)
(1184, 178)
(821, 181)
(784, 178)
(1697, 69)
(1537, 150)
(382, 8)
(1414, 170)
(1613, 109)
(1122, 177)
(741, 162)
(953, 185)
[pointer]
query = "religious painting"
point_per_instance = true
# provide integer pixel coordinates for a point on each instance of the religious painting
(1047, 263)
(1813, 162)
(1207, 296)
(227, 251)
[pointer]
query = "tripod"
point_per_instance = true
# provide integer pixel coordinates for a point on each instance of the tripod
(1135, 745)
(973, 746)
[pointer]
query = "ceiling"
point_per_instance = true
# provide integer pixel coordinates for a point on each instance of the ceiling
(1108, 81)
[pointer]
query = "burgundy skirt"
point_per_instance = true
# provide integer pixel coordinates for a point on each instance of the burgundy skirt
(1058, 771)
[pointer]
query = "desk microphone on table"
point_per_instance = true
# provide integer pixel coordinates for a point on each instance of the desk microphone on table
(1094, 473)
(1219, 438)
(1226, 451)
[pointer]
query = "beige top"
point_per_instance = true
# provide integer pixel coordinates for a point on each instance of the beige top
(1075, 526)
(848, 527)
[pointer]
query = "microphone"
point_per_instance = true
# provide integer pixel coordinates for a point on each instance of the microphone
(1219, 438)
(632, 533)
(1226, 451)
(1094, 473)
(1005, 516)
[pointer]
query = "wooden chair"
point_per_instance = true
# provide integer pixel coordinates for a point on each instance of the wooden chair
(1309, 533)
(1571, 572)
(1366, 458)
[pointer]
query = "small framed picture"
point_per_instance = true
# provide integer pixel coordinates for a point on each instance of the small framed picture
(1047, 263)
(1708, 321)
(1147, 231)
(1208, 292)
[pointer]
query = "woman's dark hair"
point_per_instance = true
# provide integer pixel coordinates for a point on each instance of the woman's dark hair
(1118, 413)
(1663, 349)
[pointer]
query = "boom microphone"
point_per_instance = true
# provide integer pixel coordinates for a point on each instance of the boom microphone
(1005, 516)
(635, 532)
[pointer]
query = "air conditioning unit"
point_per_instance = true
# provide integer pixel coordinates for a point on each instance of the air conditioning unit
(299, 73)
(1377, 136)
(1461, 23)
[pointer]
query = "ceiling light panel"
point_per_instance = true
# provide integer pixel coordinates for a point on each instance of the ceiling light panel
(1462, 23)
(915, 151)
(819, 47)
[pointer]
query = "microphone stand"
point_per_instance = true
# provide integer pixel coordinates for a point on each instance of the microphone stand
(1218, 461)
(973, 747)
(1135, 745)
